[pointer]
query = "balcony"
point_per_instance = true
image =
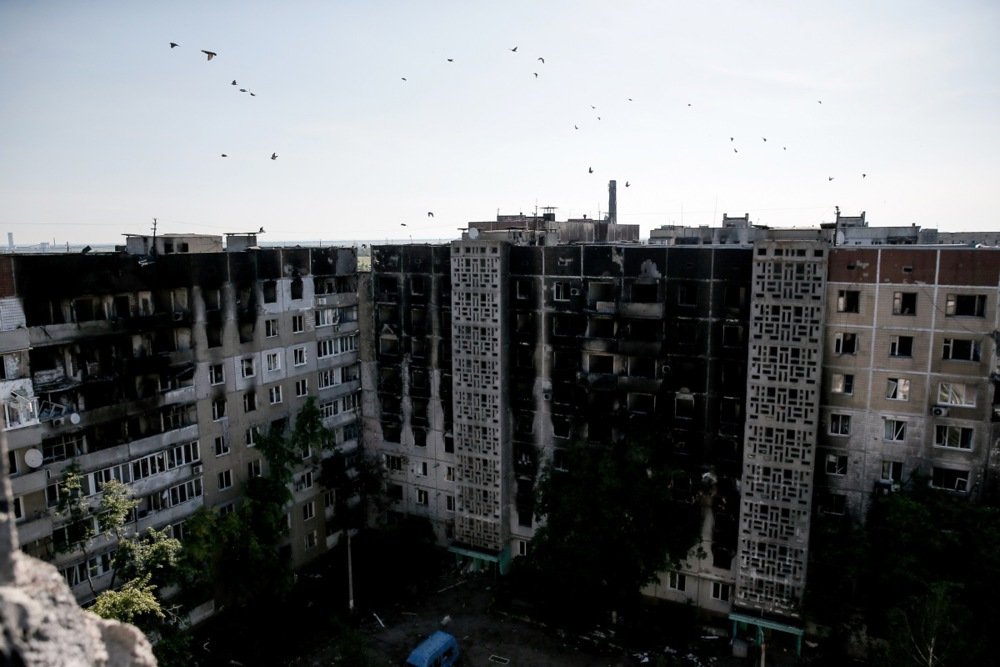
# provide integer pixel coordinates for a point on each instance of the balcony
(29, 482)
(642, 310)
(170, 515)
(35, 529)
(608, 307)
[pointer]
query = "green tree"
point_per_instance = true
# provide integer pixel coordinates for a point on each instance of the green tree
(135, 603)
(614, 516)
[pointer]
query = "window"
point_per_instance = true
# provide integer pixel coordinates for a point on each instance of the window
(393, 463)
(299, 356)
(325, 348)
(833, 503)
(904, 303)
(329, 378)
(895, 430)
(270, 290)
(308, 510)
(328, 409)
(953, 480)
(248, 367)
(561, 291)
(956, 437)
(251, 435)
(298, 324)
(18, 510)
(845, 343)
(304, 481)
(449, 473)
(892, 471)
(347, 343)
(687, 295)
(249, 401)
(842, 383)
(225, 479)
(221, 445)
(848, 301)
(311, 540)
(274, 394)
(422, 469)
(720, 591)
(301, 387)
(254, 469)
(216, 374)
(329, 499)
(218, 409)
(326, 317)
(273, 361)
(898, 389)
(522, 547)
(449, 503)
(961, 349)
(226, 509)
(271, 328)
(676, 581)
(840, 424)
(965, 305)
(901, 346)
(422, 497)
(954, 393)
(836, 464)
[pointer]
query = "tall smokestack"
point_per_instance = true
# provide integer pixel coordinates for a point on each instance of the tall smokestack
(613, 202)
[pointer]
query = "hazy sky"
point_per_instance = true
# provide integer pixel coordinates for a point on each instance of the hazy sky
(103, 126)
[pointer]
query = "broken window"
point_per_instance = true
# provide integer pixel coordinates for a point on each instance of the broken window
(965, 305)
(961, 349)
(684, 404)
(270, 290)
(955, 393)
(952, 480)
(842, 383)
(840, 424)
(956, 437)
(901, 346)
(848, 301)
(895, 430)
(898, 389)
(845, 343)
(904, 303)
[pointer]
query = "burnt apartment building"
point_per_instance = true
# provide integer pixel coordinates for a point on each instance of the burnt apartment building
(495, 352)
(159, 366)
(791, 371)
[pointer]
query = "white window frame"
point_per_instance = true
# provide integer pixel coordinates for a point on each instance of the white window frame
(248, 367)
(893, 430)
(298, 324)
(302, 387)
(274, 394)
(225, 479)
(271, 328)
(216, 374)
(299, 356)
(897, 389)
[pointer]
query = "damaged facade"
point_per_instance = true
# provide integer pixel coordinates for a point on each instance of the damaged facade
(160, 370)
(789, 371)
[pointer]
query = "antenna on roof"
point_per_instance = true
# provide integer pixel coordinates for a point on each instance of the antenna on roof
(152, 250)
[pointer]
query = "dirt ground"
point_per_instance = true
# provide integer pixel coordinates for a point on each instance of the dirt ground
(485, 638)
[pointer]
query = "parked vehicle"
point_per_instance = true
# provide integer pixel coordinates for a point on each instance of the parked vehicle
(438, 650)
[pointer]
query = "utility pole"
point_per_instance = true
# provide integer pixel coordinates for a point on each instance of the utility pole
(350, 575)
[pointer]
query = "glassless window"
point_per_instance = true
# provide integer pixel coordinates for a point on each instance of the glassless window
(842, 383)
(898, 389)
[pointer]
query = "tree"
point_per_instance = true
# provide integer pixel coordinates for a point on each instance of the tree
(134, 603)
(614, 516)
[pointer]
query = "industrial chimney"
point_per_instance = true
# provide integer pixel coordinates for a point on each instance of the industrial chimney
(612, 202)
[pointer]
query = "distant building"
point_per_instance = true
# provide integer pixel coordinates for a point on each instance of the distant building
(159, 367)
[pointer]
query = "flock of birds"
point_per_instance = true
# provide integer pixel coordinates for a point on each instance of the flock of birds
(208, 56)
(590, 169)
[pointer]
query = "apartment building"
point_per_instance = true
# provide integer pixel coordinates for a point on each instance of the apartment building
(528, 343)
(911, 374)
(792, 371)
(159, 366)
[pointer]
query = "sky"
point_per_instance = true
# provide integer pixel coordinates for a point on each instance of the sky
(884, 106)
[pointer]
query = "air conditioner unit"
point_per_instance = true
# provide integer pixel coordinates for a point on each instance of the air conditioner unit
(197, 469)
(939, 411)
(58, 421)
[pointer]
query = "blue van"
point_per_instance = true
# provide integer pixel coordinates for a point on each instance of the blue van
(438, 650)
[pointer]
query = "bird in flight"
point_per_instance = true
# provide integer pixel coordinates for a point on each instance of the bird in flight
(174, 45)
(224, 155)
(514, 50)
(829, 178)
(819, 101)
(260, 231)
(765, 139)
(403, 78)
(210, 54)
(735, 151)
(576, 127)
(274, 156)
(253, 94)
(402, 224)
(542, 59)
(627, 184)
(730, 138)
(590, 170)
(233, 83)
(630, 99)
(430, 214)
(536, 74)
(451, 60)
(864, 175)
(243, 90)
